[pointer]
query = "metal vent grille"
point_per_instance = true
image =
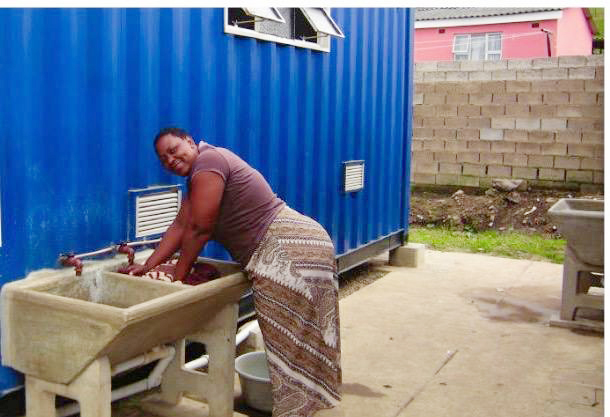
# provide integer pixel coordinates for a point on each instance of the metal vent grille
(155, 212)
(353, 178)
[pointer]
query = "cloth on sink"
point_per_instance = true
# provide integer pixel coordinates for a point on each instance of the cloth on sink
(200, 273)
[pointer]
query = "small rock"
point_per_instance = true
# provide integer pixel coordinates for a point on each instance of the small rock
(524, 221)
(514, 197)
(502, 228)
(491, 192)
(550, 200)
(569, 195)
(457, 193)
(387, 386)
(530, 211)
(507, 185)
(492, 208)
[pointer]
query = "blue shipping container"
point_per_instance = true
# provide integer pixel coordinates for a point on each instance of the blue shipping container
(84, 91)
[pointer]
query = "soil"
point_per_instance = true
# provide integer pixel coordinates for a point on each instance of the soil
(479, 210)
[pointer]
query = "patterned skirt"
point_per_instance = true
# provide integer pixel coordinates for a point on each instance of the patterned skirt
(295, 290)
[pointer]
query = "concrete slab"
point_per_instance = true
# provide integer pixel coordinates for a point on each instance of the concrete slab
(466, 334)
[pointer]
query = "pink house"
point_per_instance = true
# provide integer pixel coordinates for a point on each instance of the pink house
(486, 33)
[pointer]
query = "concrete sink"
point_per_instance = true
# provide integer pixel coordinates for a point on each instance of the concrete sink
(581, 221)
(55, 324)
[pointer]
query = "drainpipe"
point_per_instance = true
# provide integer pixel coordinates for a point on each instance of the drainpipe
(548, 40)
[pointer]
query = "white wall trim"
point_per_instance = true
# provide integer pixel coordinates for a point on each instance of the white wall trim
(489, 20)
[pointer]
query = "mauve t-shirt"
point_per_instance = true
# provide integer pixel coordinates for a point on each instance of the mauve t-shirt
(248, 204)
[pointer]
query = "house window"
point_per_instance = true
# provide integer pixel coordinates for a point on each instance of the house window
(305, 27)
(477, 46)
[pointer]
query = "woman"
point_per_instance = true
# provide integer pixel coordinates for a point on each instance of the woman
(288, 256)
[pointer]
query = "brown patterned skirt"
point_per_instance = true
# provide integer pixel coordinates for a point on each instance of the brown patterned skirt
(295, 289)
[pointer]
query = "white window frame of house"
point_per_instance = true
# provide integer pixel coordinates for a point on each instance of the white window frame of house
(467, 52)
(322, 44)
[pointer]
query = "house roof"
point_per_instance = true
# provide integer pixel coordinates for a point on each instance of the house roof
(442, 13)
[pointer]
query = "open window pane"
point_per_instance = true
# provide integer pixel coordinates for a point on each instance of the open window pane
(321, 21)
(269, 13)
(460, 43)
(494, 42)
(477, 47)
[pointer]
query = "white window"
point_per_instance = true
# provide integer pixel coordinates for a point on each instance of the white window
(477, 46)
(305, 27)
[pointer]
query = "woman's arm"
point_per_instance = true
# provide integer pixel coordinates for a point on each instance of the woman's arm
(206, 193)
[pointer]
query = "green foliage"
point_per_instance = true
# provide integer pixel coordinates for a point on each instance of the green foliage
(597, 14)
(506, 244)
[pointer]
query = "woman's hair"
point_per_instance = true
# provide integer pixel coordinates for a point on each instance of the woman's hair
(174, 131)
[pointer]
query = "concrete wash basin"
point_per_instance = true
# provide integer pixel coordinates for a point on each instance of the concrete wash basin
(581, 221)
(55, 324)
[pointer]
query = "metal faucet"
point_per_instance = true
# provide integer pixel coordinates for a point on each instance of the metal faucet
(71, 260)
(125, 248)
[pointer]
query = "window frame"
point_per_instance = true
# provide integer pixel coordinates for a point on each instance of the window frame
(468, 52)
(323, 44)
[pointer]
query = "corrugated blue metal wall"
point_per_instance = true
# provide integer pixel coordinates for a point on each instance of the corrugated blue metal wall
(83, 92)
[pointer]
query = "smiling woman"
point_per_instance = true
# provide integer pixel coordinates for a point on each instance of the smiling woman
(288, 256)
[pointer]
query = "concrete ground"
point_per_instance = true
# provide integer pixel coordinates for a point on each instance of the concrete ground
(464, 335)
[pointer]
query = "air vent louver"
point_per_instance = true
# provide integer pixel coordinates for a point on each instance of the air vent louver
(353, 178)
(155, 212)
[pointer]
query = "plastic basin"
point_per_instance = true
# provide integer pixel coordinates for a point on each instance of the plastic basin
(254, 379)
(581, 222)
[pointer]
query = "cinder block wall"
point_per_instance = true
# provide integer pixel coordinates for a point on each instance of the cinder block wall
(541, 120)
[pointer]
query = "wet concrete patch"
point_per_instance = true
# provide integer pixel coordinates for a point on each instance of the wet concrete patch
(359, 390)
(516, 304)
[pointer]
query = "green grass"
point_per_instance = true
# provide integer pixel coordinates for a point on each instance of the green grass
(506, 244)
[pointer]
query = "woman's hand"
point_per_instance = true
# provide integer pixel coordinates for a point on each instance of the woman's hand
(136, 269)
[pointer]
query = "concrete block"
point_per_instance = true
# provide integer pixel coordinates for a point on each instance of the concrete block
(541, 136)
(418, 98)
(554, 124)
(444, 156)
(468, 134)
(493, 87)
(479, 146)
(504, 98)
(492, 134)
(545, 62)
(417, 122)
(518, 86)
(593, 137)
(456, 122)
(600, 98)
(468, 157)
(446, 110)
(456, 76)
(515, 159)
(516, 135)
(544, 86)
(540, 161)
(507, 74)
(503, 147)
(521, 64)
(471, 65)
(475, 170)
(567, 162)
(425, 167)
(552, 174)
(570, 85)
(479, 76)
(555, 98)
(594, 110)
(422, 87)
(434, 145)
(433, 122)
(457, 99)
(594, 85)
(568, 136)
(495, 65)
(426, 66)
(598, 177)
(423, 132)
(418, 76)
(503, 123)
(434, 98)
(595, 60)
(525, 173)
(529, 98)
(527, 124)
(595, 164)
(581, 97)
(448, 87)
(572, 61)
(448, 66)
(479, 122)
(554, 149)
(468, 110)
(528, 148)
(499, 171)
(456, 146)
(598, 151)
(529, 74)
(448, 179)
(420, 178)
(434, 76)
(579, 176)
(417, 144)
(584, 73)
(492, 110)
(444, 133)
(577, 149)
(422, 156)
(583, 124)
(569, 110)
(599, 73)
(450, 168)
(491, 158)
(554, 73)
(469, 181)
(424, 110)
(543, 110)
(517, 110)
(480, 98)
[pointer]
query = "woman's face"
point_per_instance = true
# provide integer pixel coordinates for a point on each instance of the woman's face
(176, 154)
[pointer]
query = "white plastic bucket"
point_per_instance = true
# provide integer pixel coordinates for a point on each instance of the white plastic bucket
(254, 379)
